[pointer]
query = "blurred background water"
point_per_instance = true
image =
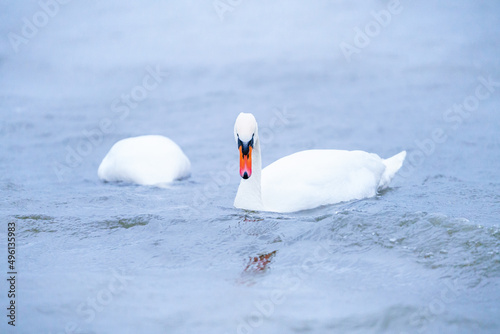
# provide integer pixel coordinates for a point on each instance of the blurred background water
(114, 258)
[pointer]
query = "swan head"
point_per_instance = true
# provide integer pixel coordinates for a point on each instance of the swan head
(245, 134)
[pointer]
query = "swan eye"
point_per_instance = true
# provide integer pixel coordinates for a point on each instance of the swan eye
(245, 146)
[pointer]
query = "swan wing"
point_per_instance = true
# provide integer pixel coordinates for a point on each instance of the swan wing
(313, 178)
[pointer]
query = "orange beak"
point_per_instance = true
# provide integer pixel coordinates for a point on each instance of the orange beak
(246, 163)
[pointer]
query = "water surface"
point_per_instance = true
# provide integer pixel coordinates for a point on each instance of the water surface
(93, 257)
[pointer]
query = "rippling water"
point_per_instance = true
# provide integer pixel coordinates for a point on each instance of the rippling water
(421, 257)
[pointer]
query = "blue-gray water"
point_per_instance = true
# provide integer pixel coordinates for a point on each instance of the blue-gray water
(422, 257)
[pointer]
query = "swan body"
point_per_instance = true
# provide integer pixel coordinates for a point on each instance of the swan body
(145, 160)
(307, 179)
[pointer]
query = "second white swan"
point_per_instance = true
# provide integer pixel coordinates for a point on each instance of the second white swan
(145, 160)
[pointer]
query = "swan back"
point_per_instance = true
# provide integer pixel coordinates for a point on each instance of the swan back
(312, 178)
(145, 160)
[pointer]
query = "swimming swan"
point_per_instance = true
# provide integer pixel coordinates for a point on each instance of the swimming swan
(145, 160)
(306, 179)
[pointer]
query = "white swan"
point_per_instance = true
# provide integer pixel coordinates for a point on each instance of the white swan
(145, 160)
(306, 179)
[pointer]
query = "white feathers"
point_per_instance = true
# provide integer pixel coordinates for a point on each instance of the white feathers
(245, 127)
(309, 179)
(145, 160)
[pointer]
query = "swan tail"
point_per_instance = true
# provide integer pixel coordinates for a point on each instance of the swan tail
(392, 165)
